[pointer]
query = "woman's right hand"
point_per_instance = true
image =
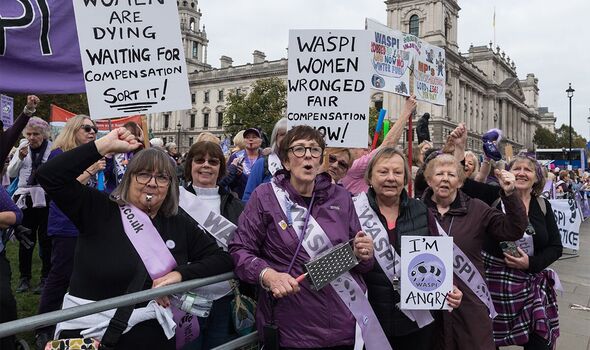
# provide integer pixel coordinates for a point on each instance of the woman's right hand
(280, 284)
(120, 140)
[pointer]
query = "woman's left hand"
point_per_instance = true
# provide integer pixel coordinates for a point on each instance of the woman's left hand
(506, 180)
(170, 278)
(363, 246)
(520, 263)
(454, 298)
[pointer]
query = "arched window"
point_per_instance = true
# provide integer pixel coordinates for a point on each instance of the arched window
(414, 25)
(192, 25)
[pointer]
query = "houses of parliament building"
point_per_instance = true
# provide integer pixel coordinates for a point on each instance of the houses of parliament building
(482, 89)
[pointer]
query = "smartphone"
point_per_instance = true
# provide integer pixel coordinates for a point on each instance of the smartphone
(509, 248)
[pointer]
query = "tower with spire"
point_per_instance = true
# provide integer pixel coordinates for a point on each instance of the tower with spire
(194, 37)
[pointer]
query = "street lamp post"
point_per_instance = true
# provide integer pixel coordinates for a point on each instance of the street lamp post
(178, 126)
(570, 94)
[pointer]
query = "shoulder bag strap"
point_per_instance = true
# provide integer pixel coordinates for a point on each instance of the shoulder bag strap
(119, 321)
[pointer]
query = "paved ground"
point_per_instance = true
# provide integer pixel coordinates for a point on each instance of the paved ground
(574, 273)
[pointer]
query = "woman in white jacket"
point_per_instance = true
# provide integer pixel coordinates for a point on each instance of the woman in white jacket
(30, 198)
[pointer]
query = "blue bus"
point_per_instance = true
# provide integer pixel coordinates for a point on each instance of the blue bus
(560, 157)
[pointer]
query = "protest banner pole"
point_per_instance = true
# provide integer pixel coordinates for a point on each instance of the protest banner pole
(410, 132)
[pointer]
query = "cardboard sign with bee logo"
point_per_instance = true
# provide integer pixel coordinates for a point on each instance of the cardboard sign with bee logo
(426, 272)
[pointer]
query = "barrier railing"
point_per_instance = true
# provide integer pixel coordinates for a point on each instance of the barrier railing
(33, 322)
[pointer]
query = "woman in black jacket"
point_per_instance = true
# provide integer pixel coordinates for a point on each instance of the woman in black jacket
(110, 252)
(399, 215)
(216, 211)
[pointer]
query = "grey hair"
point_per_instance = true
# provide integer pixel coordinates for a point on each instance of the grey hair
(39, 125)
(151, 159)
(281, 124)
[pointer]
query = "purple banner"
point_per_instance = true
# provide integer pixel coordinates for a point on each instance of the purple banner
(39, 47)
(6, 110)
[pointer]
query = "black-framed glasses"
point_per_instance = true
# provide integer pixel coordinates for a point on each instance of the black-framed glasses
(300, 151)
(144, 178)
(342, 164)
(89, 128)
(530, 230)
(211, 161)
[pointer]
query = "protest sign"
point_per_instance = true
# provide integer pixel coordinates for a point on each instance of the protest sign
(429, 71)
(132, 56)
(328, 84)
(6, 110)
(426, 272)
(568, 218)
(390, 63)
(39, 47)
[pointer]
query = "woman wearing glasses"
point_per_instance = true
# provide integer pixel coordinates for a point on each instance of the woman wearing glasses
(269, 248)
(207, 202)
(78, 130)
(338, 162)
(111, 258)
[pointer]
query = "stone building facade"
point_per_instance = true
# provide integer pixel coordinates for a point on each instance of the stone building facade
(483, 89)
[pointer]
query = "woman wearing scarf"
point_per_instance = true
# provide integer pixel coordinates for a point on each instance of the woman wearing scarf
(30, 198)
(206, 202)
(119, 236)
(521, 284)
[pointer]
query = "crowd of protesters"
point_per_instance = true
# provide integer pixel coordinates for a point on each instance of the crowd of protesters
(83, 198)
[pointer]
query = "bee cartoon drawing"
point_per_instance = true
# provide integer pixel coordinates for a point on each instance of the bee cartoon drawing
(427, 272)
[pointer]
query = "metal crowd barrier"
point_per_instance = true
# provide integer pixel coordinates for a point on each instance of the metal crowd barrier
(50, 318)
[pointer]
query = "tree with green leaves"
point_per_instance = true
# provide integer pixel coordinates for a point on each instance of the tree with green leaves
(75, 103)
(262, 107)
(544, 138)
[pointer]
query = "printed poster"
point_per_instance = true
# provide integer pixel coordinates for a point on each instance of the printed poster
(132, 57)
(328, 84)
(426, 272)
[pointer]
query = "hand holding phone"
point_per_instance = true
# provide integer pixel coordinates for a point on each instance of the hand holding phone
(509, 248)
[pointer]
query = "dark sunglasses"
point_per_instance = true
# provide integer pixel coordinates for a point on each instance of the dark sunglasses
(211, 161)
(88, 128)
(342, 164)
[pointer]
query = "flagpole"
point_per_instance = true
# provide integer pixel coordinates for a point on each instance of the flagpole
(494, 25)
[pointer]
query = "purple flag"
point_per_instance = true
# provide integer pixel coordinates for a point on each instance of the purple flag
(39, 47)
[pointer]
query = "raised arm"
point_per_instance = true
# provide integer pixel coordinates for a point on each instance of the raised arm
(392, 138)
(11, 135)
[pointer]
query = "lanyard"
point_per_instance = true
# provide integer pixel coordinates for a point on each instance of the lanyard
(302, 231)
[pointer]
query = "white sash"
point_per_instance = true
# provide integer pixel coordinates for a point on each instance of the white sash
(385, 253)
(468, 273)
(274, 163)
(217, 225)
(315, 241)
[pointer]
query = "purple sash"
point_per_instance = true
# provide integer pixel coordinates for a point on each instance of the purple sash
(469, 274)
(385, 254)
(158, 261)
(350, 292)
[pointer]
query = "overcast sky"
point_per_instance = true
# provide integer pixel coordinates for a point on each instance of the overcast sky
(542, 38)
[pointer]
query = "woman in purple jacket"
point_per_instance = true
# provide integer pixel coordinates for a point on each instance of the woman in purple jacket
(78, 130)
(267, 249)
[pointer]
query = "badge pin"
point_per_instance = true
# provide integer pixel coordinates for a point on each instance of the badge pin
(283, 224)
(170, 244)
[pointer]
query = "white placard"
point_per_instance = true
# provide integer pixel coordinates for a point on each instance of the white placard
(390, 63)
(132, 56)
(426, 272)
(329, 87)
(429, 71)
(568, 218)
